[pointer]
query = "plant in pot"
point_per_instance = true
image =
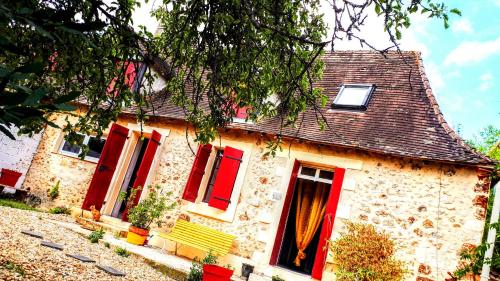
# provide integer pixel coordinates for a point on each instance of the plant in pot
(208, 270)
(148, 211)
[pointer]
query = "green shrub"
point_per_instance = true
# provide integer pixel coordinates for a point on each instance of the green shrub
(106, 244)
(149, 210)
(277, 278)
(365, 254)
(60, 210)
(96, 235)
(196, 270)
(54, 191)
(14, 267)
(122, 252)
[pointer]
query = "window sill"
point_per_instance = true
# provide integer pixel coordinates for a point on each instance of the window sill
(207, 211)
(91, 160)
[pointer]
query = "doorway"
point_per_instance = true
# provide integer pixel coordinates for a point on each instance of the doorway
(130, 176)
(304, 219)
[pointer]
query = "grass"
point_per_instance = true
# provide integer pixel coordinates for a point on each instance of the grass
(17, 205)
(14, 267)
(60, 210)
(122, 252)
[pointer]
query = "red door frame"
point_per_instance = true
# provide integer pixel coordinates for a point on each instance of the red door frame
(328, 221)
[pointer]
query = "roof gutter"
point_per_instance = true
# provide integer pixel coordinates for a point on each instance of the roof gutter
(490, 240)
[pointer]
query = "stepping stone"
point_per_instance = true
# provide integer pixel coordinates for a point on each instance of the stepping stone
(81, 258)
(52, 245)
(32, 233)
(110, 270)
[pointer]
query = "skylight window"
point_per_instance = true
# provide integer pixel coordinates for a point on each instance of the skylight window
(353, 96)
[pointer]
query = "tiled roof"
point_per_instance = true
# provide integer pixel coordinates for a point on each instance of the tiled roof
(402, 118)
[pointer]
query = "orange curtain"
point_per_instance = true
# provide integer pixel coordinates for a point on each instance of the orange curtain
(311, 205)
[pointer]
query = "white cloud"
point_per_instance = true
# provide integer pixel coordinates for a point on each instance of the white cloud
(473, 51)
(435, 77)
(463, 25)
(486, 81)
(496, 2)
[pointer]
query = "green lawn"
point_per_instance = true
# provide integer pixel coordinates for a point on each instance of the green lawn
(16, 204)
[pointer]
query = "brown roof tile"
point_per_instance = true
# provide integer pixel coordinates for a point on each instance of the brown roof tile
(402, 118)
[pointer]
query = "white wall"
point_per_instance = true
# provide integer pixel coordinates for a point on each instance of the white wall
(17, 154)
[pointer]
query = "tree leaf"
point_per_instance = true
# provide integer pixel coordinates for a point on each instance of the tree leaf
(35, 97)
(67, 98)
(35, 67)
(7, 132)
(456, 11)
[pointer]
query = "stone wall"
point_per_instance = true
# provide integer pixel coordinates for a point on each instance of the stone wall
(429, 209)
(17, 154)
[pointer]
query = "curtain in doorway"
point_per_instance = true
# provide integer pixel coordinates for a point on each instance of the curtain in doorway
(311, 205)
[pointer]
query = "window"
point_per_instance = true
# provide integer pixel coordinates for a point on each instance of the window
(219, 177)
(315, 174)
(213, 174)
(95, 147)
(353, 96)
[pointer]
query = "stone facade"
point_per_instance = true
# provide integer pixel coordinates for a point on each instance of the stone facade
(429, 209)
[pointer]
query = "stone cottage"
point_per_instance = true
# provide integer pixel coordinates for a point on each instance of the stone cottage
(389, 159)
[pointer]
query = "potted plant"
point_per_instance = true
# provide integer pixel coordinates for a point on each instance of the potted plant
(214, 272)
(146, 212)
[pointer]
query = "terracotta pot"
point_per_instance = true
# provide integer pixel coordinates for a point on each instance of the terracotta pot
(9, 177)
(137, 236)
(212, 272)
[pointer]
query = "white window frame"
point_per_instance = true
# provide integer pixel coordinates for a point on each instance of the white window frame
(316, 175)
(75, 155)
(363, 105)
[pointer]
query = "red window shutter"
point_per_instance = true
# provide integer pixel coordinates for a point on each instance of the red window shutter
(144, 168)
(241, 112)
(327, 227)
(130, 76)
(284, 214)
(105, 167)
(197, 172)
(224, 181)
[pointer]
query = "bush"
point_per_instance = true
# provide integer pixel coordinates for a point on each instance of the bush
(277, 278)
(122, 252)
(106, 244)
(365, 254)
(54, 191)
(196, 270)
(96, 235)
(60, 210)
(16, 204)
(149, 210)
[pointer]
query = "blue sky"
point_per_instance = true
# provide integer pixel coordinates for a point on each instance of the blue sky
(462, 62)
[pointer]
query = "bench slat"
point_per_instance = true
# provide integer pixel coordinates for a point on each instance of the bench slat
(200, 237)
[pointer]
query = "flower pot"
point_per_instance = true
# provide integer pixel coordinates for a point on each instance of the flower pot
(136, 235)
(9, 177)
(212, 272)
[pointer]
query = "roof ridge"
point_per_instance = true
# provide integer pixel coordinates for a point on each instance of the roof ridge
(371, 51)
(437, 111)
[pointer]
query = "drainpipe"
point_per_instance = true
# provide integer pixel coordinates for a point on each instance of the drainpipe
(490, 240)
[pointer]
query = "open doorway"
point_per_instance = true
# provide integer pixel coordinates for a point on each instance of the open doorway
(303, 226)
(130, 176)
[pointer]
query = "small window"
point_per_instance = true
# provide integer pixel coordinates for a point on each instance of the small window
(213, 175)
(353, 97)
(315, 174)
(94, 144)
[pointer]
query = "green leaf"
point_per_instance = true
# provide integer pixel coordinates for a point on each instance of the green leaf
(456, 11)
(65, 107)
(35, 67)
(35, 97)
(67, 98)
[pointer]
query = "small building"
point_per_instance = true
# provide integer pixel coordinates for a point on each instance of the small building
(388, 158)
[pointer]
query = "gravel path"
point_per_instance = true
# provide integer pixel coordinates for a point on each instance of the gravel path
(19, 252)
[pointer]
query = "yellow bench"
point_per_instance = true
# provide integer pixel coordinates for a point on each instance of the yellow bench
(199, 237)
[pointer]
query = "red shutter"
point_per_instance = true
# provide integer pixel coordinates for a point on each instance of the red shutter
(284, 214)
(197, 172)
(327, 227)
(241, 112)
(144, 168)
(130, 74)
(105, 167)
(224, 181)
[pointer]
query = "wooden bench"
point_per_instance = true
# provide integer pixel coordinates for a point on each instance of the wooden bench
(199, 237)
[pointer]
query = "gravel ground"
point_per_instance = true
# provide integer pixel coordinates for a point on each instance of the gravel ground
(19, 252)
